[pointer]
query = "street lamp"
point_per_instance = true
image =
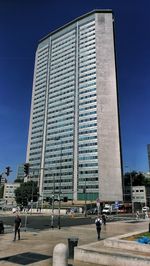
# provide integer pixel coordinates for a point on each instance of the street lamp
(85, 213)
(131, 189)
(32, 197)
(53, 197)
(132, 202)
(60, 187)
(59, 138)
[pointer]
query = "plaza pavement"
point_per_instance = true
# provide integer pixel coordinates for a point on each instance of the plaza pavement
(43, 242)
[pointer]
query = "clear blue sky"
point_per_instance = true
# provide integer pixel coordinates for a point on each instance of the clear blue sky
(23, 23)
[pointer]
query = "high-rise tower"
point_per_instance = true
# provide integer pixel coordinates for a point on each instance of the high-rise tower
(74, 142)
(148, 152)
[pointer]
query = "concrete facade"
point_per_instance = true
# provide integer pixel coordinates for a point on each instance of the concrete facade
(74, 141)
(107, 111)
(115, 251)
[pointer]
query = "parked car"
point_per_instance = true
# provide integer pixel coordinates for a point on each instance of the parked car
(14, 209)
(72, 210)
(7, 208)
(92, 211)
(109, 209)
(145, 209)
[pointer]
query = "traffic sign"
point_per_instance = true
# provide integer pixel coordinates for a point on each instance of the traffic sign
(116, 204)
(98, 204)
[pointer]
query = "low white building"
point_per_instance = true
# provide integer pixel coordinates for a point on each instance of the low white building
(139, 194)
(9, 193)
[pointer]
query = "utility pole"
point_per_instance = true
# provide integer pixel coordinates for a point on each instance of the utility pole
(131, 185)
(85, 213)
(131, 189)
(53, 197)
(32, 196)
(60, 183)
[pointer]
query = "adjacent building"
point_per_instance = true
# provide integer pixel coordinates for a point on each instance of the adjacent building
(9, 193)
(139, 194)
(3, 179)
(20, 173)
(148, 152)
(74, 139)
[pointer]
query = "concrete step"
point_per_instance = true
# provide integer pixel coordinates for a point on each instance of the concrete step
(101, 255)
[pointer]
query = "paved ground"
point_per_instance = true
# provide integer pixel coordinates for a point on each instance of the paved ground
(43, 242)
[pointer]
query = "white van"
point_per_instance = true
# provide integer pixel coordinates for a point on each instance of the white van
(145, 209)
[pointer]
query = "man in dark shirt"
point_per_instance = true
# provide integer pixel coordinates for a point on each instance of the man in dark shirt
(98, 223)
(17, 226)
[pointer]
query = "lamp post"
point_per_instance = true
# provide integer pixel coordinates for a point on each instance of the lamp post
(32, 197)
(60, 187)
(131, 189)
(132, 202)
(53, 197)
(59, 138)
(85, 213)
(52, 216)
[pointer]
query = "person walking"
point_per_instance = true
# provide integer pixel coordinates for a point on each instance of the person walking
(98, 223)
(17, 226)
(104, 219)
(137, 215)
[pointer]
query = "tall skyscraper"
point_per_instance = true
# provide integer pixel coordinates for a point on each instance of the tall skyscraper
(20, 172)
(148, 152)
(74, 142)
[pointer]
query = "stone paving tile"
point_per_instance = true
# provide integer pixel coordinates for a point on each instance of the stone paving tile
(43, 242)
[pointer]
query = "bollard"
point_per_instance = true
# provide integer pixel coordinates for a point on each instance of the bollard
(72, 242)
(60, 255)
(149, 227)
(1, 227)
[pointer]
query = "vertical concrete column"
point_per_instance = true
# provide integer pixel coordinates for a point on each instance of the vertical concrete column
(109, 150)
(75, 181)
(60, 255)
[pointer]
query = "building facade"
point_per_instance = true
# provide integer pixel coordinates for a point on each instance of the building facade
(148, 152)
(139, 194)
(9, 193)
(3, 179)
(74, 141)
(20, 172)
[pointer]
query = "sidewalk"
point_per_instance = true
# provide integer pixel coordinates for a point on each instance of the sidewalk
(36, 247)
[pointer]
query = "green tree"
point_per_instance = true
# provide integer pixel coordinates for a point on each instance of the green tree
(19, 180)
(147, 181)
(26, 192)
(137, 178)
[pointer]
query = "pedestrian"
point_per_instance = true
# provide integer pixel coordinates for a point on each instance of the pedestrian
(137, 215)
(146, 215)
(104, 219)
(17, 226)
(98, 223)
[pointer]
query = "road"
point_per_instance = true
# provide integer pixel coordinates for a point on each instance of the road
(42, 222)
